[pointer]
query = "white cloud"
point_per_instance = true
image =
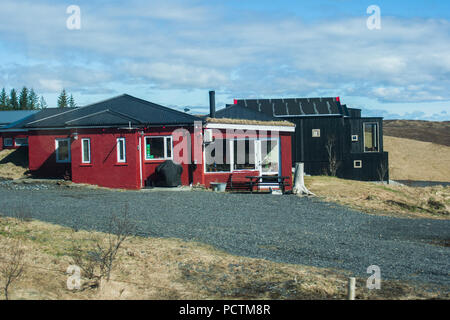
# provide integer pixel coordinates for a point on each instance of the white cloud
(192, 46)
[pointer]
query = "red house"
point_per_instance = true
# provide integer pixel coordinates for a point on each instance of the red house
(119, 142)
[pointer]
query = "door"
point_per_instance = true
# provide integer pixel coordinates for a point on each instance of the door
(268, 159)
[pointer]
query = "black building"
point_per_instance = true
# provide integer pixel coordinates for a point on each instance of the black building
(328, 137)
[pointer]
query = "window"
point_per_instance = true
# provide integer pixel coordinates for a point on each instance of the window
(357, 164)
(270, 156)
(121, 150)
(370, 137)
(62, 151)
(7, 142)
(244, 154)
(158, 148)
(354, 137)
(316, 133)
(217, 156)
(20, 142)
(86, 150)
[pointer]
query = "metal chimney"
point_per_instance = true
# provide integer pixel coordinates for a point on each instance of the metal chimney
(212, 104)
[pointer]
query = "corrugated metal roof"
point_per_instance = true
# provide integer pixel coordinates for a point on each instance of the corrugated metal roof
(8, 117)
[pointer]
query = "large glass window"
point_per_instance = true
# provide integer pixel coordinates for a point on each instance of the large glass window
(371, 137)
(270, 156)
(217, 156)
(86, 150)
(158, 148)
(62, 151)
(244, 154)
(121, 150)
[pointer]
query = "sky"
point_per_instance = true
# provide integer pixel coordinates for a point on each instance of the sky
(173, 52)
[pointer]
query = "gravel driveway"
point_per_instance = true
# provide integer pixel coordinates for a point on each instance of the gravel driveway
(279, 228)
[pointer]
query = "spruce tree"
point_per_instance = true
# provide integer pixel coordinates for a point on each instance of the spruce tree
(23, 99)
(13, 101)
(62, 99)
(42, 103)
(3, 100)
(33, 100)
(72, 103)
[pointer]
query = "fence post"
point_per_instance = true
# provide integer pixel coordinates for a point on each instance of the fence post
(351, 288)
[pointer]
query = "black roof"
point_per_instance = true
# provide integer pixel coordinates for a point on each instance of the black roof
(294, 106)
(234, 111)
(118, 111)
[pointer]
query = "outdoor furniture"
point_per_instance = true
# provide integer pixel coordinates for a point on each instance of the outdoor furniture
(249, 182)
(268, 181)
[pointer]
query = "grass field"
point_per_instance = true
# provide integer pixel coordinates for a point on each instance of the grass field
(154, 268)
(392, 200)
(13, 163)
(427, 131)
(417, 160)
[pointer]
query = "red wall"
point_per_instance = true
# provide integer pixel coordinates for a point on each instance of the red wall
(149, 166)
(13, 135)
(41, 154)
(104, 170)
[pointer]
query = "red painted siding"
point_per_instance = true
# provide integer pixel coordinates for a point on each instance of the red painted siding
(104, 170)
(42, 156)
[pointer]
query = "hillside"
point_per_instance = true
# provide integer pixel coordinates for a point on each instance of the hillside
(427, 131)
(417, 160)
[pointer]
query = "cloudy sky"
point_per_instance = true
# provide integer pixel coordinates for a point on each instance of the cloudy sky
(173, 52)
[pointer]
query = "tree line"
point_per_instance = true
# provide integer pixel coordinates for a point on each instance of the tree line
(27, 99)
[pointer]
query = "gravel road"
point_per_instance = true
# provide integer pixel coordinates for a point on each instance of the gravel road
(279, 228)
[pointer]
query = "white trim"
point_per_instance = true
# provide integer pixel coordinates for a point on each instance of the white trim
(82, 150)
(355, 166)
(57, 140)
(249, 127)
(140, 160)
(355, 138)
(20, 144)
(165, 148)
(8, 144)
(119, 160)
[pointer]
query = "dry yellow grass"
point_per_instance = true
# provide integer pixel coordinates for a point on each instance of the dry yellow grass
(153, 268)
(13, 163)
(417, 160)
(393, 200)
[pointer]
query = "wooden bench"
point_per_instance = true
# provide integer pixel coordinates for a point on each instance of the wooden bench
(239, 182)
(268, 181)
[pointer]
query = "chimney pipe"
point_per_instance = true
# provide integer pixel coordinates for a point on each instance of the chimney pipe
(212, 104)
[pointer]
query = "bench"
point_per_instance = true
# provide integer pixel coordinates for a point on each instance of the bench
(268, 181)
(239, 182)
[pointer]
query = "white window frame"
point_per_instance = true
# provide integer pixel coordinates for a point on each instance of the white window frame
(357, 167)
(20, 144)
(5, 144)
(57, 147)
(231, 149)
(254, 149)
(165, 148)
(119, 160)
(82, 150)
(355, 138)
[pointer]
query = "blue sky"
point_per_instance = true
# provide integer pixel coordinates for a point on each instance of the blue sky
(172, 52)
